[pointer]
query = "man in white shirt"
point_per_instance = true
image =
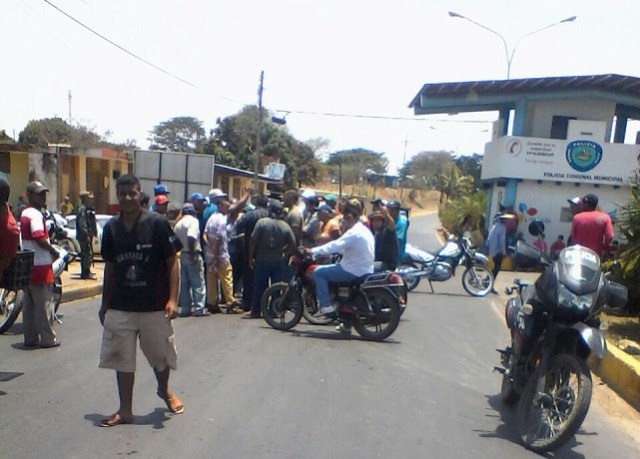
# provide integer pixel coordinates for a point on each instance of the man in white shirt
(192, 287)
(357, 247)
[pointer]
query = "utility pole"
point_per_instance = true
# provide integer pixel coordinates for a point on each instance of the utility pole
(69, 107)
(258, 137)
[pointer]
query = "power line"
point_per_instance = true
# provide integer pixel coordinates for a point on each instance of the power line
(379, 117)
(135, 56)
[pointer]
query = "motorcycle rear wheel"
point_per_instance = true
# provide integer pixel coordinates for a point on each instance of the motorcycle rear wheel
(384, 320)
(10, 308)
(477, 280)
(281, 306)
(311, 307)
(547, 421)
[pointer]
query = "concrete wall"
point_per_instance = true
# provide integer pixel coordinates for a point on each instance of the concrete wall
(541, 113)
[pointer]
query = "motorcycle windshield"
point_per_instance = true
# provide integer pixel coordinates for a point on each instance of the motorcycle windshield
(579, 269)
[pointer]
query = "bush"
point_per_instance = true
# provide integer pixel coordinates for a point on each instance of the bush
(629, 224)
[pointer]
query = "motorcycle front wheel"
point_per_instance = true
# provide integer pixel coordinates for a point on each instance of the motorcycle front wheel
(548, 419)
(477, 280)
(311, 307)
(10, 307)
(383, 318)
(281, 306)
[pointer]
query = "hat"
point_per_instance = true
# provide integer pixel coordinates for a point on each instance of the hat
(393, 205)
(188, 209)
(325, 208)
(36, 188)
(376, 214)
(308, 194)
(197, 197)
(160, 189)
(84, 194)
(574, 201)
(590, 199)
(331, 197)
(216, 193)
(378, 201)
(161, 199)
(275, 207)
(500, 216)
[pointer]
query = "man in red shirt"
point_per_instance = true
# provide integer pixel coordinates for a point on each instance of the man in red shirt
(37, 298)
(9, 233)
(591, 228)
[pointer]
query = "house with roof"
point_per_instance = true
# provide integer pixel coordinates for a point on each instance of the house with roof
(554, 138)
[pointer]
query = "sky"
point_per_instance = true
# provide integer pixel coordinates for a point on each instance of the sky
(363, 60)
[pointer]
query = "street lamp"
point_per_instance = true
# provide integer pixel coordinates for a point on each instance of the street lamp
(504, 42)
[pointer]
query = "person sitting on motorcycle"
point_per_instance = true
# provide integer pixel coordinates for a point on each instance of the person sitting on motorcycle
(384, 231)
(356, 245)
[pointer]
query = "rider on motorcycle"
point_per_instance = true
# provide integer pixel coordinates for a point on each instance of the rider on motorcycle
(356, 245)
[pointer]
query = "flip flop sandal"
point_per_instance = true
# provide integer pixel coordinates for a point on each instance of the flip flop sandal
(173, 403)
(115, 420)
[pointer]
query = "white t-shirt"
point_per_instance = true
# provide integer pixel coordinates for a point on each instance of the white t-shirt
(187, 227)
(357, 247)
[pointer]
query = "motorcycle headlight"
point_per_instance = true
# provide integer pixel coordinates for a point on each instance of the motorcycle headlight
(569, 299)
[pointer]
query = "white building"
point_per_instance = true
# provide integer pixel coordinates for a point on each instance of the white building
(554, 139)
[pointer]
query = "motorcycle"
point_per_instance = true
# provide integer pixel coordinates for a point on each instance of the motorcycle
(440, 265)
(370, 303)
(11, 297)
(554, 327)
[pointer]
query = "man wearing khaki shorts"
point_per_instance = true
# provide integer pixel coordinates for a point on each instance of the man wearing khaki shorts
(139, 299)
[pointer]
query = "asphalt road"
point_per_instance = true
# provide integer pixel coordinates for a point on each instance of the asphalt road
(253, 392)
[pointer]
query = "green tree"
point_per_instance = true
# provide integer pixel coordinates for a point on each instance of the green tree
(5, 139)
(356, 162)
(429, 169)
(46, 131)
(471, 166)
(182, 133)
(466, 213)
(234, 143)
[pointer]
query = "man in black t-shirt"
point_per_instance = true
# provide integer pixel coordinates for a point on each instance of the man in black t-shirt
(139, 299)
(384, 232)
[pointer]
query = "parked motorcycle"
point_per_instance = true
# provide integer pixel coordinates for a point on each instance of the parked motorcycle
(554, 327)
(11, 298)
(370, 303)
(440, 265)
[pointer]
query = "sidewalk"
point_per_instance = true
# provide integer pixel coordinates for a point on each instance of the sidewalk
(617, 369)
(74, 288)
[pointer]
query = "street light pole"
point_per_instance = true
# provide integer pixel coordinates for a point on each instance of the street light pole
(256, 166)
(509, 56)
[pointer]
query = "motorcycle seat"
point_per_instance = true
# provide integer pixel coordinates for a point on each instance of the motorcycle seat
(353, 283)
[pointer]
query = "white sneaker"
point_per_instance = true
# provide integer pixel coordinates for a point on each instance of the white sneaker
(328, 310)
(344, 329)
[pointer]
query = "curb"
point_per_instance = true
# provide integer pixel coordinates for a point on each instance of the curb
(619, 371)
(80, 293)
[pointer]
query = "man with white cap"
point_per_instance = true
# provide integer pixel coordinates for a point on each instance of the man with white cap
(212, 208)
(37, 298)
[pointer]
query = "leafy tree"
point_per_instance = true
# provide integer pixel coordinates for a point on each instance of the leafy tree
(5, 139)
(428, 168)
(465, 214)
(471, 166)
(182, 133)
(629, 224)
(356, 162)
(48, 131)
(234, 143)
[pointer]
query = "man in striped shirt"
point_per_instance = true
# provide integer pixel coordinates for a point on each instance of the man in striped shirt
(37, 299)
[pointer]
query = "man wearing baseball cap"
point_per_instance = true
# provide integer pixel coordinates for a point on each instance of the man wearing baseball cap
(37, 298)
(86, 230)
(591, 228)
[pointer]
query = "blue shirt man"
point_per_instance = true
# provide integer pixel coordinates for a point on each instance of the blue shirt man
(402, 227)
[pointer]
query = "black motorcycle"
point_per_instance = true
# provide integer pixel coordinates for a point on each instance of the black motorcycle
(440, 265)
(370, 303)
(554, 327)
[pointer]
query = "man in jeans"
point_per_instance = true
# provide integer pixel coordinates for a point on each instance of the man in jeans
(192, 287)
(272, 242)
(356, 245)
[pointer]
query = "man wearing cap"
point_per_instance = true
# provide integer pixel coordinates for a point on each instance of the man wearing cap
(159, 190)
(192, 286)
(311, 223)
(386, 242)
(66, 208)
(272, 242)
(328, 231)
(294, 216)
(212, 207)
(9, 232)
(37, 298)
(218, 258)
(591, 228)
(161, 204)
(86, 230)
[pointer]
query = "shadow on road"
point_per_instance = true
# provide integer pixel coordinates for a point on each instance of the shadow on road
(507, 430)
(420, 292)
(334, 335)
(156, 419)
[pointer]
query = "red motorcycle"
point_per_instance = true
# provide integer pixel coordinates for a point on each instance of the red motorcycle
(371, 303)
